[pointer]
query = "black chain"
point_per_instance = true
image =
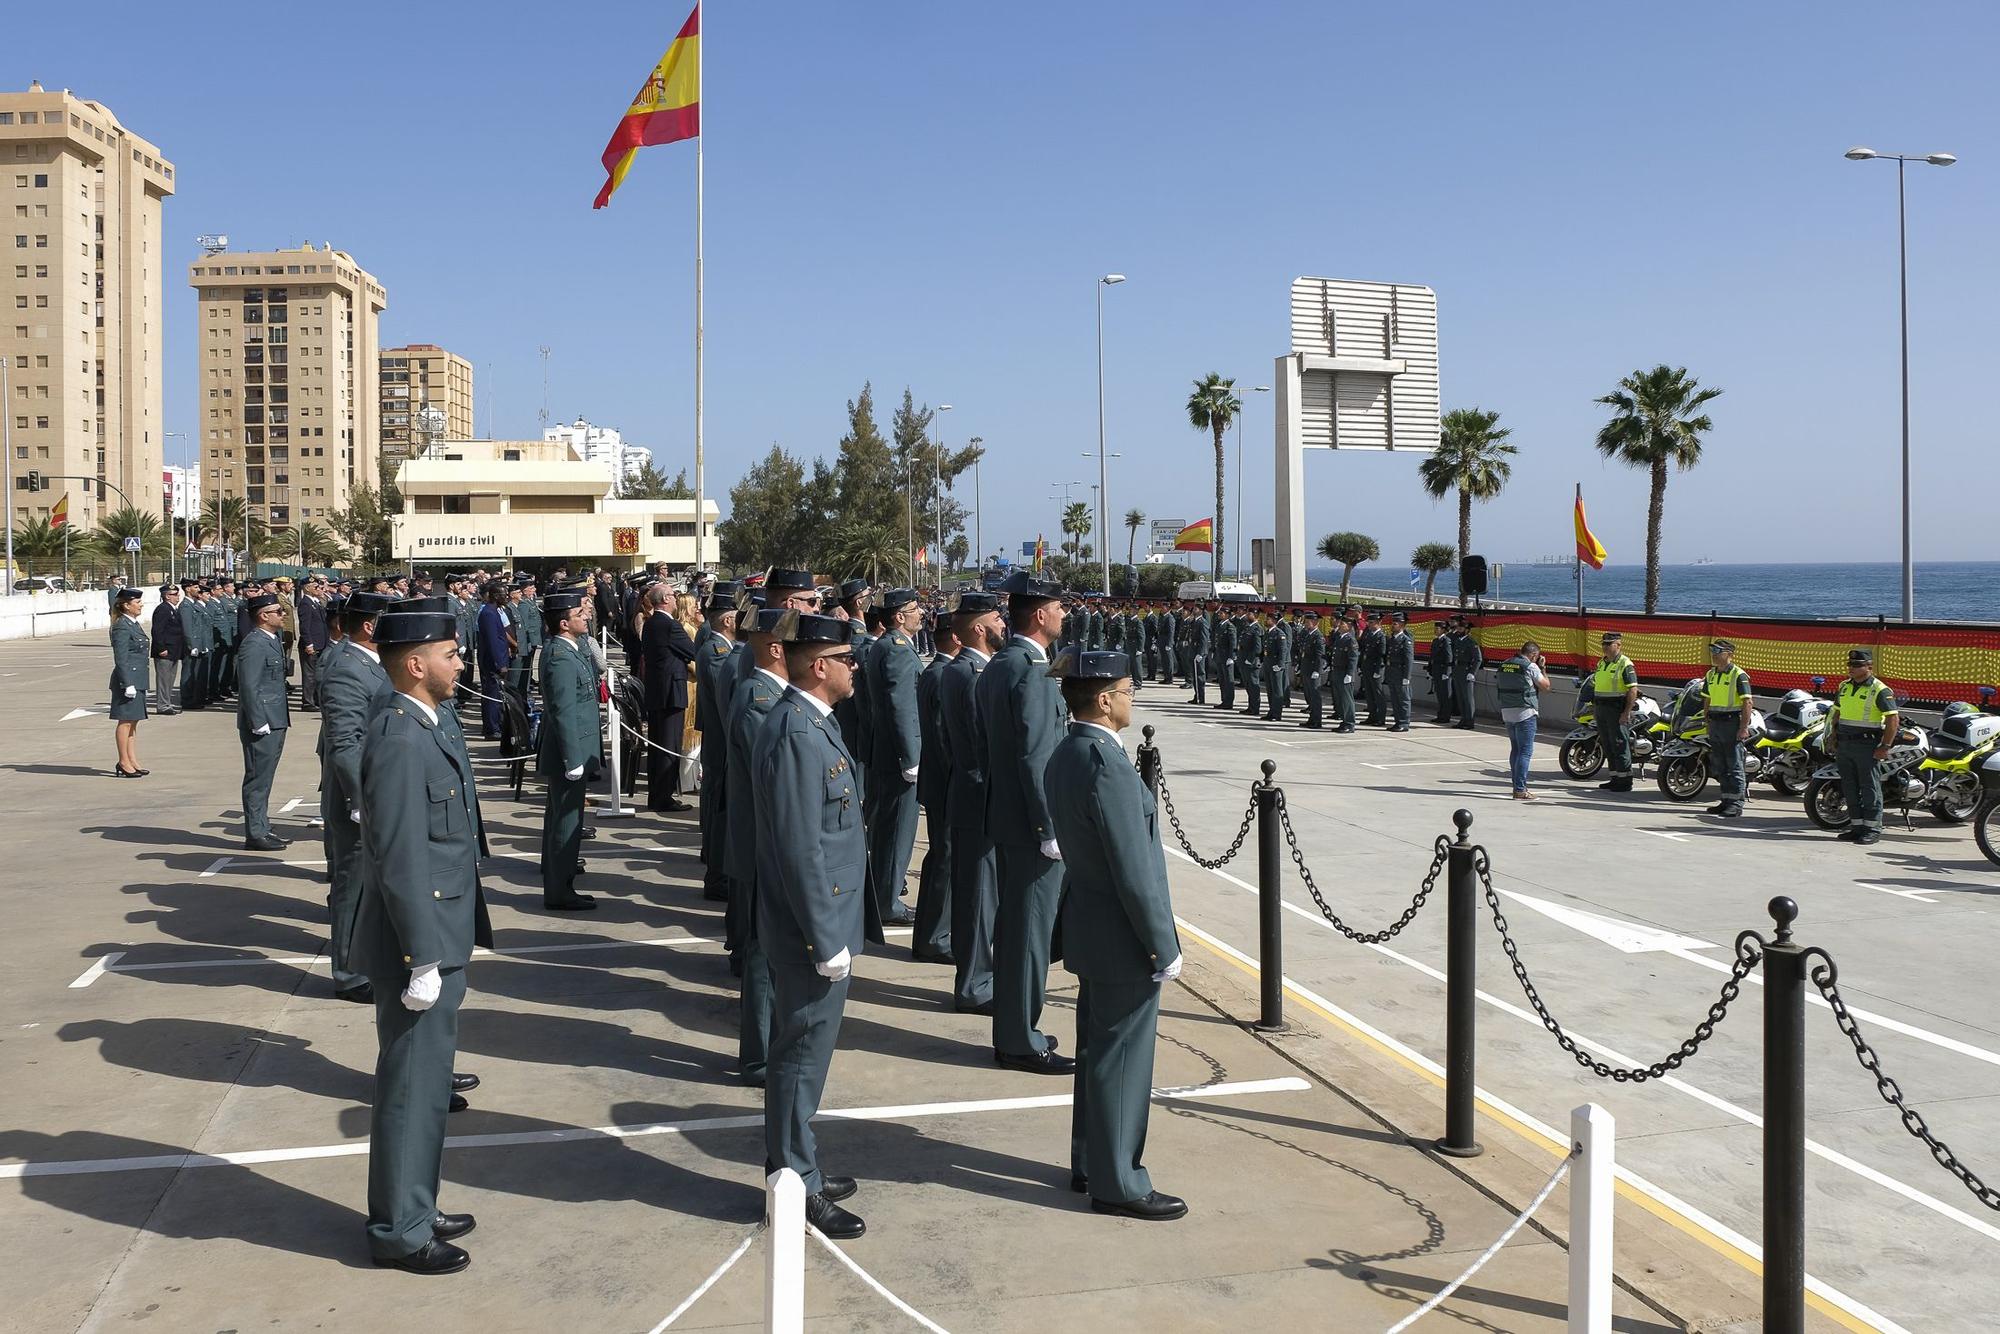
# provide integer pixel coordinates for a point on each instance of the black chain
(1438, 856)
(1180, 835)
(1826, 977)
(1747, 957)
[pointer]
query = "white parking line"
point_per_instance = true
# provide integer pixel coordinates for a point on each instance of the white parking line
(581, 1134)
(1421, 764)
(1917, 894)
(97, 970)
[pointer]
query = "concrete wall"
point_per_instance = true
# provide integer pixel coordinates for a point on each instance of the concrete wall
(41, 615)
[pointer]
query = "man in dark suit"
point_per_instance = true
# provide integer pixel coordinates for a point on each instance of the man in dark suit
(496, 653)
(666, 651)
(930, 942)
(170, 648)
(1118, 937)
(262, 716)
(422, 912)
(314, 639)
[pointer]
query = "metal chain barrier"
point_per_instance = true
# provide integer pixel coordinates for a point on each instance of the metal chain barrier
(1180, 835)
(1826, 977)
(1748, 957)
(1439, 852)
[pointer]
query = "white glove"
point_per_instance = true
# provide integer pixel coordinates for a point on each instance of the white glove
(1050, 850)
(130, 692)
(1170, 972)
(265, 730)
(354, 815)
(837, 968)
(910, 774)
(575, 773)
(424, 989)
(1347, 680)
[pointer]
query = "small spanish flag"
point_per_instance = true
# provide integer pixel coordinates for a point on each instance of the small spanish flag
(1588, 549)
(1041, 552)
(667, 107)
(60, 514)
(1197, 536)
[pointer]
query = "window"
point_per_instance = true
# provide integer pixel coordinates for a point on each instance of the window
(671, 529)
(41, 181)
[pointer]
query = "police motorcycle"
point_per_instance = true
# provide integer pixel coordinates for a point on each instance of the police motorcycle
(1939, 770)
(1582, 753)
(1683, 758)
(1794, 741)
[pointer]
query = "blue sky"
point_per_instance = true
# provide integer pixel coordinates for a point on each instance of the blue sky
(923, 195)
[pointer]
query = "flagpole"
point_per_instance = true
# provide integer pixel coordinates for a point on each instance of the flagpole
(700, 138)
(1577, 557)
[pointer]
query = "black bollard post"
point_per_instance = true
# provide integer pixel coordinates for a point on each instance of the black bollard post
(1149, 761)
(1784, 1126)
(1461, 1014)
(1270, 915)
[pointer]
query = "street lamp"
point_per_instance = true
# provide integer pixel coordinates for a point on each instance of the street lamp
(1063, 487)
(1255, 389)
(1858, 154)
(937, 499)
(1103, 520)
(1103, 481)
(171, 540)
(978, 543)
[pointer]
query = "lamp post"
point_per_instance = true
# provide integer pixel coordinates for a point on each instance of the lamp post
(1255, 389)
(170, 511)
(978, 544)
(1103, 520)
(1063, 487)
(1859, 154)
(937, 499)
(1103, 481)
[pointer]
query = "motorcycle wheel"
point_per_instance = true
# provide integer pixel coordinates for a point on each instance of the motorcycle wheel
(1955, 808)
(1582, 758)
(1683, 777)
(1781, 779)
(1984, 832)
(1825, 805)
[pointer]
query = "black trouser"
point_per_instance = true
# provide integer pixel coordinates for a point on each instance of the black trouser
(663, 774)
(1441, 688)
(308, 679)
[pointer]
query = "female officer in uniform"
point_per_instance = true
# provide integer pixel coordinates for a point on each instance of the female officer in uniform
(130, 653)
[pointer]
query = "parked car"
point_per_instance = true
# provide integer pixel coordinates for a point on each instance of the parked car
(38, 584)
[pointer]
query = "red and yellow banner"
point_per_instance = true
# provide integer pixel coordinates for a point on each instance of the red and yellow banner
(1588, 549)
(1197, 536)
(666, 109)
(60, 514)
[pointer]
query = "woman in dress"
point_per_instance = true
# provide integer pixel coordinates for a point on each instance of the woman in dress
(688, 612)
(130, 659)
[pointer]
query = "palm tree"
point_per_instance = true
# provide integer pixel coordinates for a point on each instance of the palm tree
(1348, 550)
(1076, 522)
(35, 540)
(1433, 558)
(1471, 456)
(1212, 407)
(1133, 518)
(317, 544)
(221, 525)
(864, 546)
(956, 550)
(1656, 420)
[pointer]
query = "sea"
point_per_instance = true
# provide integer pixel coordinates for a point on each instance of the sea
(1945, 590)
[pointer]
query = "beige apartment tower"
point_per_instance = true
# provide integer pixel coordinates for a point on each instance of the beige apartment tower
(289, 397)
(413, 378)
(81, 304)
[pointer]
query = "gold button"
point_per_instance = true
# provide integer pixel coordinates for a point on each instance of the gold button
(406, 958)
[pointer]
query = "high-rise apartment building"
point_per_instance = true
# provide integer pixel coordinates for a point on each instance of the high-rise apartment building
(415, 377)
(81, 304)
(290, 399)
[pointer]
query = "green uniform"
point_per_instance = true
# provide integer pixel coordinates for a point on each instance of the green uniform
(1227, 632)
(811, 887)
(130, 660)
(1726, 689)
(1022, 713)
(1277, 669)
(893, 764)
(1399, 657)
(1250, 660)
(262, 716)
(1859, 713)
(748, 708)
(931, 938)
(1609, 684)
(1343, 660)
(420, 904)
(571, 731)
(974, 902)
(534, 638)
(1311, 664)
(353, 688)
(1118, 934)
(714, 684)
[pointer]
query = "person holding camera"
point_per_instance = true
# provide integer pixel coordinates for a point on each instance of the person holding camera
(1516, 681)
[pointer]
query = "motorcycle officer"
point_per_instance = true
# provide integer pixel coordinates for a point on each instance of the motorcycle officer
(1616, 697)
(1865, 721)
(1729, 708)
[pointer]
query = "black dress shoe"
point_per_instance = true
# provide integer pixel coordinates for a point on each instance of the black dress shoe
(590, 831)
(901, 917)
(838, 1188)
(437, 1257)
(1079, 1183)
(457, 1104)
(450, 1227)
(267, 843)
(1152, 1206)
(984, 1007)
(361, 995)
(674, 806)
(932, 956)
(831, 1219)
(1047, 1063)
(574, 903)
(463, 1083)
(1869, 836)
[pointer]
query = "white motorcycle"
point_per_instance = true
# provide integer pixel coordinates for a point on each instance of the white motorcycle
(1582, 753)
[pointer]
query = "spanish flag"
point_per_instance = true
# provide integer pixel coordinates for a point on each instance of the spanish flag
(667, 107)
(1588, 549)
(60, 514)
(1197, 536)
(1041, 552)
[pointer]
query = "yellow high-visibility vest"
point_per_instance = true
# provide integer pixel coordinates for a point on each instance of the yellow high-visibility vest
(1609, 678)
(1860, 705)
(1722, 692)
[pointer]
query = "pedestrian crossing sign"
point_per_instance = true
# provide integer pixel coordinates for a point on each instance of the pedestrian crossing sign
(1416, 579)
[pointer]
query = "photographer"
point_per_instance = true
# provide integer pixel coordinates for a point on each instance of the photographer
(1516, 681)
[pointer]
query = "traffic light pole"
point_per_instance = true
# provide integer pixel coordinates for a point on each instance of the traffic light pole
(7, 451)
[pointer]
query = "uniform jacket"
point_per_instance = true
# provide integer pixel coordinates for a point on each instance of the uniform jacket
(1278, 647)
(964, 739)
(1310, 650)
(1249, 645)
(313, 631)
(260, 685)
(1374, 645)
(493, 649)
(749, 707)
(1225, 642)
(1441, 654)
(129, 654)
(571, 723)
(420, 896)
(1117, 916)
(811, 862)
(1342, 653)
(714, 677)
(1399, 655)
(666, 651)
(1465, 655)
(934, 767)
(353, 688)
(1022, 713)
(170, 638)
(895, 728)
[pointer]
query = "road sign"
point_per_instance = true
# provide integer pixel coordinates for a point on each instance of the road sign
(131, 544)
(1416, 578)
(1162, 532)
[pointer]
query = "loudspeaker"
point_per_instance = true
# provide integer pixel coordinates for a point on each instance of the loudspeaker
(1472, 576)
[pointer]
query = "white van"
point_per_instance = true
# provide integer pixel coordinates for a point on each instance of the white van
(1197, 590)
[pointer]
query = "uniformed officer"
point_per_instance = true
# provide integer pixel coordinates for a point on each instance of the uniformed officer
(1729, 707)
(1250, 658)
(1311, 665)
(712, 690)
(1277, 666)
(1865, 720)
(1615, 695)
(1399, 657)
(194, 623)
(421, 914)
(1022, 713)
(229, 611)
(811, 914)
(1466, 659)
(930, 942)
(1374, 650)
(570, 756)
(749, 705)
(1227, 633)
(974, 889)
(262, 716)
(353, 688)
(1134, 642)
(897, 755)
(851, 712)
(1343, 656)
(1118, 937)
(1439, 669)
(533, 632)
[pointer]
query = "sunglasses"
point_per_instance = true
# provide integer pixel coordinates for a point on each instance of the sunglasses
(847, 658)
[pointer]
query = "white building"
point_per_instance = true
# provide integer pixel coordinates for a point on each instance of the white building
(637, 459)
(181, 488)
(604, 445)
